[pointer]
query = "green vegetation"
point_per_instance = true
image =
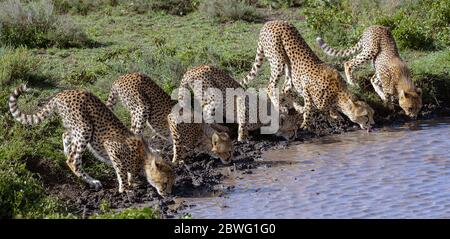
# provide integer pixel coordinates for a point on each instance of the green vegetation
(163, 44)
(131, 213)
(342, 22)
(228, 10)
(37, 25)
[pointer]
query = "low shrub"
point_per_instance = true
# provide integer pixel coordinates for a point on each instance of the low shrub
(82, 7)
(279, 3)
(37, 25)
(16, 64)
(229, 10)
(173, 7)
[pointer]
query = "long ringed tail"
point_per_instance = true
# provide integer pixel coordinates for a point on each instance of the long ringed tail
(256, 66)
(339, 53)
(29, 119)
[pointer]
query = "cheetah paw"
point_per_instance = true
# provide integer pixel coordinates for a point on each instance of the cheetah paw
(95, 184)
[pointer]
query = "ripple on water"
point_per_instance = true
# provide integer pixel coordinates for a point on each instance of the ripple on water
(391, 173)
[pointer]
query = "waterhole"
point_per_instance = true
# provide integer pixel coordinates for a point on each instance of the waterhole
(394, 172)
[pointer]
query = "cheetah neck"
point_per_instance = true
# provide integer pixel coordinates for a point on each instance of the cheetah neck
(204, 143)
(399, 70)
(344, 98)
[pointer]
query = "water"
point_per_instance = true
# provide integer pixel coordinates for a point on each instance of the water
(396, 172)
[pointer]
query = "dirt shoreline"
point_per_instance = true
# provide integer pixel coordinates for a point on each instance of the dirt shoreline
(202, 175)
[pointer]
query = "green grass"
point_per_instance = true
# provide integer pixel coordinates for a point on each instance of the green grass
(131, 213)
(153, 42)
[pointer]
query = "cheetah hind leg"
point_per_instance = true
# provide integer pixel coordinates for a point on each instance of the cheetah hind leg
(362, 57)
(138, 120)
(74, 161)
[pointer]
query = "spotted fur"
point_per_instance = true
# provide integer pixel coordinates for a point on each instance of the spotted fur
(392, 79)
(212, 77)
(191, 138)
(146, 102)
(90, 124)
(320, 85)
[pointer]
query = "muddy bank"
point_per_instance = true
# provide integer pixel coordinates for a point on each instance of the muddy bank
(201, 176)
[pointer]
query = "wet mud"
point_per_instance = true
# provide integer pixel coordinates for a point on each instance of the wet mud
(200, 176)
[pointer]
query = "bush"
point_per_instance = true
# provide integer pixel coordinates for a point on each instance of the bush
(16, 64)
(173, 7)
(342, 22)
(36, 25)
(82, 7)
(280, 3)
(432, 74)
(417, 29)
(228, 10)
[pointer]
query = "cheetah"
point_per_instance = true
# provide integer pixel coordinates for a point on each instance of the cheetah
(146, 101)
(90, 124)
(392, 79)
(211, 77)
(320, 85)
(190, 138)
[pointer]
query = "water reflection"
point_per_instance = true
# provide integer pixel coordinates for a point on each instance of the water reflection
(394, 172)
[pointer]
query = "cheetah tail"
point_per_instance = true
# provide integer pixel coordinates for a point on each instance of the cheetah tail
(112, 98)
(339, 53)
(256, 66)
(28, 119)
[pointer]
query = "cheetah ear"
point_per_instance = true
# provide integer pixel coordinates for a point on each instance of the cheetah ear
(282, 117)
(419, 91)
(411, 93)
(215, 137)
(402, 94)
(163, 165)
(154, 163)
(220, 128)
(351, 103)
(361, 112)
(224, 136)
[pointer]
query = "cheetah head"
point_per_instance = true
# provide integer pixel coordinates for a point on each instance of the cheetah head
(222, 146)
(411, 101)
(289, 125)
(159, 174)
(362, 114)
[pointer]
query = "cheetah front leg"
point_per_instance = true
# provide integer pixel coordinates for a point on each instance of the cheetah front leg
(376, 83)
(66, 137)
(241, 111)
(121, 160)
(276, 71)
(74, 160)
(306, 124)
(335, 114)
(179, 152)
